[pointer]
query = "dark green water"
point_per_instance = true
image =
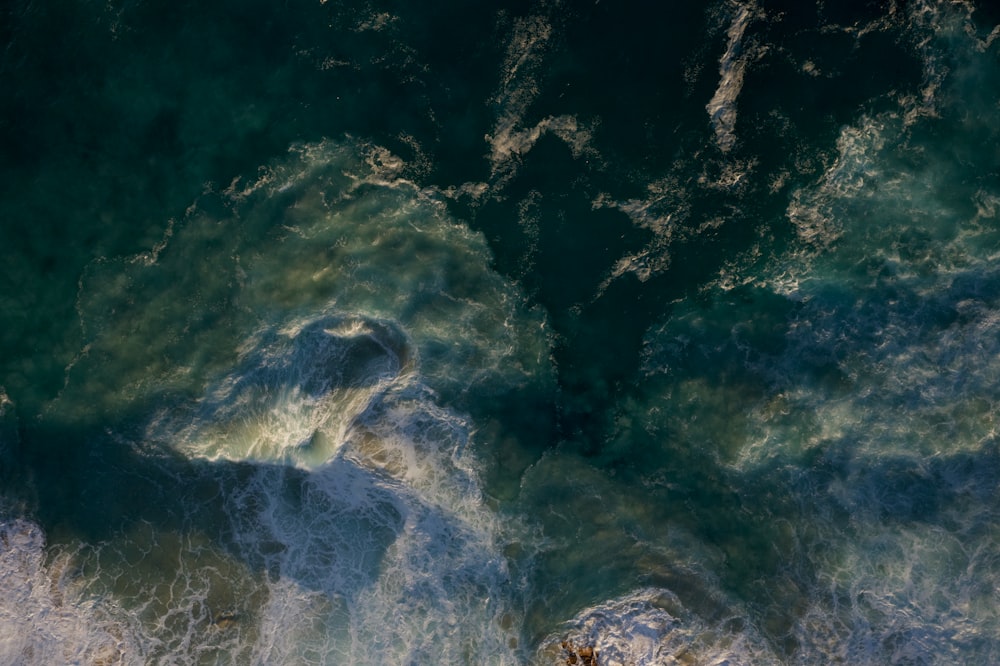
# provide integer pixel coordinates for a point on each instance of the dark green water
(377, 333)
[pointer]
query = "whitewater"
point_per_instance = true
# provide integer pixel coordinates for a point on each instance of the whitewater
(514, 333)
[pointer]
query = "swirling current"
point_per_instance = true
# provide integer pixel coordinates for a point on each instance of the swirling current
(536, 332)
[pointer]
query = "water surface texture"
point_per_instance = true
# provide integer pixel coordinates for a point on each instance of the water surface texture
(376, 332)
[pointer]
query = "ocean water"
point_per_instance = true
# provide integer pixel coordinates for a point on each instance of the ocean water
(499, 333)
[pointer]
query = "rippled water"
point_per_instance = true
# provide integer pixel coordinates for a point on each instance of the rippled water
(510, 333)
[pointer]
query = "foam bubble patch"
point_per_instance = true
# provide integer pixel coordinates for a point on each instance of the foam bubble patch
(44, 617)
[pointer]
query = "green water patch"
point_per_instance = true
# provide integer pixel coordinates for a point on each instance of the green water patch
(323, 232)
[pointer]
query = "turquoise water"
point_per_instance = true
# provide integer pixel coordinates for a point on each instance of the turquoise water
(487, 334)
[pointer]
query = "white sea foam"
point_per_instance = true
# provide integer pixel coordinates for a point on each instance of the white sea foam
(510, 139)
(330, 383)
(651, 627)
(367, 282)
(359, 532)
(874, 415)
(387, 553)
(529, 40)
(508, 142)
(343, 234)
(293, 395)
(43, 617)
(667, 204)
(906, 593)
(732, 68)
(661, 212)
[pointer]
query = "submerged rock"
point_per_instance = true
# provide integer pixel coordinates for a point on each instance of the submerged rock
(585, 656)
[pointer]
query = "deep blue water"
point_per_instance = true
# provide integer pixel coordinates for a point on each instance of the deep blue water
(379, 333)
